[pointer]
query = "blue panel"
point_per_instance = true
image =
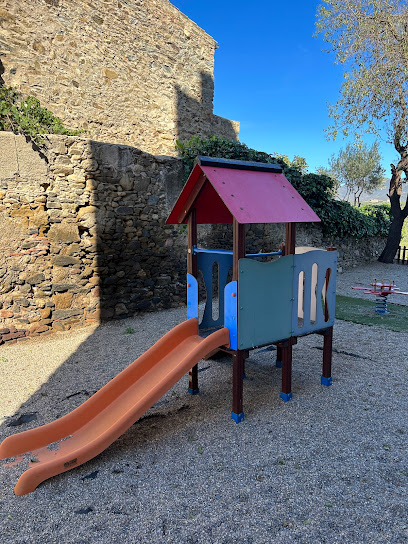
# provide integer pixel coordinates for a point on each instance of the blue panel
(255, 255)
(230, 312)
(192, 297)
(197, 250)
(205, 262)
(264, 301)
(304, 263)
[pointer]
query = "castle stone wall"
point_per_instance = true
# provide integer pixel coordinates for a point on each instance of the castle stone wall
(134, 72)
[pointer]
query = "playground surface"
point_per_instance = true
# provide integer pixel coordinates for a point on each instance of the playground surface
(328, 466)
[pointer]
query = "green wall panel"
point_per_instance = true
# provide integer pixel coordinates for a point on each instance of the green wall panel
(264, 301)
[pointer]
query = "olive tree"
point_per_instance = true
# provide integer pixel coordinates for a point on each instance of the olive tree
(370, 37)
(358, 168)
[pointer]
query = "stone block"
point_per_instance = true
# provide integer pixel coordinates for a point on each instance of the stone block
(62, 287)
(65, 260)
(58, 326)
(63, 232)
(13, 336)
(61, 315)
(121, 309)
(62, 301)
(39, 330)
(45, 313)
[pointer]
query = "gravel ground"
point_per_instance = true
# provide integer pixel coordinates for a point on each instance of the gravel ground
(331, 466)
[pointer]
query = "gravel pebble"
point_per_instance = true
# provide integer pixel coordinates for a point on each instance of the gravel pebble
(330, 466)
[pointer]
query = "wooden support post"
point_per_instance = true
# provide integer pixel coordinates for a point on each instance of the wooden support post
(327, 356)
(192, 242)
(279, 356)
(238, 231)
(192, 269)
(290, 242)
(286, 347)
(328, 274)
(238, 360)
(286, 393)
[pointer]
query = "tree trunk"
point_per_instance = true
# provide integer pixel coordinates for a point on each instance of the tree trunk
(393, 240)
(398, 214)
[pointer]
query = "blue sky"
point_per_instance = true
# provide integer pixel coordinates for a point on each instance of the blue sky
(272, 75)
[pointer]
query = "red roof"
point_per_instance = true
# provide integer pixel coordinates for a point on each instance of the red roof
(251, 196)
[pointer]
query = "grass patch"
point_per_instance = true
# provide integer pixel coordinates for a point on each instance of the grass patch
(362, 311)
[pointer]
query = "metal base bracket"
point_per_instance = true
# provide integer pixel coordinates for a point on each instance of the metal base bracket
(193, 391)
(237, 417)
(286, 396)
(326, 381)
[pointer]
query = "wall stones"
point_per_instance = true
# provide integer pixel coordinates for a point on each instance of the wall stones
(101, 248)
(127, 72)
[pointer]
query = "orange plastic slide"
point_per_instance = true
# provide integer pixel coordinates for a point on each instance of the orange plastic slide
(92, 427)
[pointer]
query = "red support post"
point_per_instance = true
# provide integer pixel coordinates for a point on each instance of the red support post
(192, 269)
(286, 393)
(238, 360)
(327, 356)
(279, 356)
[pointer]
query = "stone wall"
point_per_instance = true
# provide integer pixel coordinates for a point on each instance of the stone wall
(134, 72)
(83, 236)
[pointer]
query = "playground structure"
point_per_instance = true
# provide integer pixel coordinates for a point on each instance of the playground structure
(381, 290)
(265, 303)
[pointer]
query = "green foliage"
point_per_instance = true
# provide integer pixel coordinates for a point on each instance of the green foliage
(359, 168)
(338, 218)
(341, 219)
(217, 146)
(370, 38)
(27, 116)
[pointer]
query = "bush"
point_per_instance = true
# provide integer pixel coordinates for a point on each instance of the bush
(338, 218)
(217, 146)
(341, 219)
(27, 116)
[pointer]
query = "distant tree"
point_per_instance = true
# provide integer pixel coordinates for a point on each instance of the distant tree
(358, 168)
(371, 38)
